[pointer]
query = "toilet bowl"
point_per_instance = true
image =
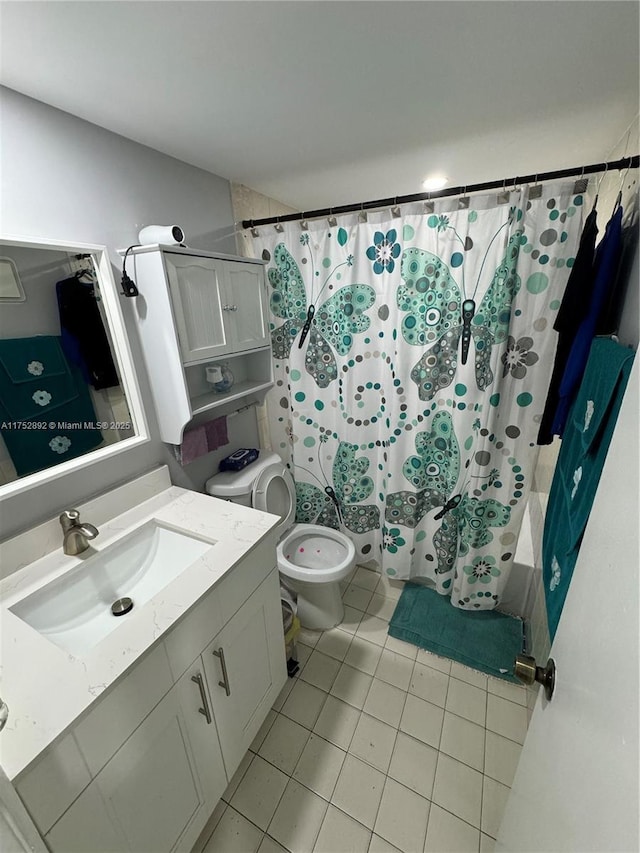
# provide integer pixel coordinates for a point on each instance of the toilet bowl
(313, 559)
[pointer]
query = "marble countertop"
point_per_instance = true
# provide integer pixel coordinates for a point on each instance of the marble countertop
(45, 687)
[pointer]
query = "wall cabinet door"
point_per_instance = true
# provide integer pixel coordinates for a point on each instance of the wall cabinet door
(199, 299)
(246, 669)
(247, 304)
(158, 790)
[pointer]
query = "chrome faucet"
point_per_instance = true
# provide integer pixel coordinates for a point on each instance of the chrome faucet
(76, 535)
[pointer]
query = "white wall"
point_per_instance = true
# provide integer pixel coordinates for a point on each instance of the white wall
(66, 179)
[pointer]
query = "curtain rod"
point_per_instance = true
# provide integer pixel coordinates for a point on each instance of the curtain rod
(577, 171)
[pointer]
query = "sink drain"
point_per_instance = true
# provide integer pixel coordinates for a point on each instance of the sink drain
(121, 606)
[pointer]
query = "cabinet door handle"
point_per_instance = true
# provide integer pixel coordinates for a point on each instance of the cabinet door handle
(203, 696)
(219, 653)
(233, 308)
(226, 308)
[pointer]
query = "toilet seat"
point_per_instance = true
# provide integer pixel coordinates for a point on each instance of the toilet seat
(300, 550)
(274, 491)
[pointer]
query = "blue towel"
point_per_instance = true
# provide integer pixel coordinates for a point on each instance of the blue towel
(34, 377)
(584, 449)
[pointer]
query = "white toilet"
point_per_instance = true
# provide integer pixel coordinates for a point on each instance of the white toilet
(313, 559)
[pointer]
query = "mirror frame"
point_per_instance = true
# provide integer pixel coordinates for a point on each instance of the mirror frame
(122, 355)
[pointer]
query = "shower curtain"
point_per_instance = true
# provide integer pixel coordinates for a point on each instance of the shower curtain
(412, 358)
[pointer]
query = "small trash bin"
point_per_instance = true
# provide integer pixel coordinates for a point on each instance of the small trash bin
(291, 627)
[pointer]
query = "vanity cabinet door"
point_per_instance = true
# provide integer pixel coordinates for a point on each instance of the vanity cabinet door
(199, 305)
(246, 669)
(247, 304)
(158, 791)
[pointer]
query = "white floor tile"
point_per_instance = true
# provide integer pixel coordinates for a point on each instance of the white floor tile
(382, 607)
(446, 833)
(351, 619)
(352, 686)
(263, 731)
(463, 740)
(270, 846)
(380, 845)
(487, 844)
(467, 701)
(334, 643)
(395, 669)
(506, 690)
(506, 718)
(284, 744)
(363, 655)
(298, 818)
(319, 766)
(434, 661)
(234, 834)
(429, 684)
(373, 629)
(357, 597)
(422, 720)
(284, 693)
(494, 799)
(309, 637)
(407, 649)
(471, 676)
(501, 758)
(237, 777)
(385, 702)
(320, 670)
(337, 722)
(304, 704)
(413, 763)
(389, 588)
(402, 817)
(259, 792)
(365, 578)
(339, 832)
(303, 653)
(458, 789)
(373, 742)
(359, 790)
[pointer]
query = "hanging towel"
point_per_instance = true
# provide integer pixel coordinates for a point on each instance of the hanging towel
(584, 449)
(200, 440)
(606, 266)
(84, 338)
(216, 433)
(575, 303)
(46, 413)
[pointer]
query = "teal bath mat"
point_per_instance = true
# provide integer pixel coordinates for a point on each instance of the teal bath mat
(485, 640)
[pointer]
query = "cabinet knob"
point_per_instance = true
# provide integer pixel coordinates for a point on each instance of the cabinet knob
(233, 308)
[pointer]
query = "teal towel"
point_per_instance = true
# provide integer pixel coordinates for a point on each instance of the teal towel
(34, 377)
(46, 416)
(584, 448)
(485, 640)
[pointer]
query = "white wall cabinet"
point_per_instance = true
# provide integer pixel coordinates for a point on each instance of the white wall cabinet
(197, 309)
(159, 787)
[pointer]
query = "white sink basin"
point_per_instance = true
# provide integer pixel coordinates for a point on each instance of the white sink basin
(74, 611)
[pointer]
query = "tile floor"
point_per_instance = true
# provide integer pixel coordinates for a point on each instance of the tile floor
(375, 747)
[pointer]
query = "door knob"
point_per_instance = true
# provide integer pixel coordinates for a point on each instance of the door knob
(526, 671)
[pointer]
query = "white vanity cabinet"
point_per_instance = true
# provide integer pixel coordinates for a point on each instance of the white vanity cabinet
(243, 664)
(197, 309)
(157, 791)
(143, 769)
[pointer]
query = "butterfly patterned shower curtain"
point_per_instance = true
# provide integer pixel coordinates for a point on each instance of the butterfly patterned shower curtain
(412, 358)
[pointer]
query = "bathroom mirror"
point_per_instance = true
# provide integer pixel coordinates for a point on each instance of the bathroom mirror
(69, 396)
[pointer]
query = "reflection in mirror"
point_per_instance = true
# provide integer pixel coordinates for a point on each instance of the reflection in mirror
(61, 392)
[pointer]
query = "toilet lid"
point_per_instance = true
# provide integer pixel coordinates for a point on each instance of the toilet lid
(274, 492)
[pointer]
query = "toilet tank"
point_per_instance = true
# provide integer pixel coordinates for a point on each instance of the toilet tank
(237, 486)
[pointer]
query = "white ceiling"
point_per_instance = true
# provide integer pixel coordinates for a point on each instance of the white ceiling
(325, 103)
